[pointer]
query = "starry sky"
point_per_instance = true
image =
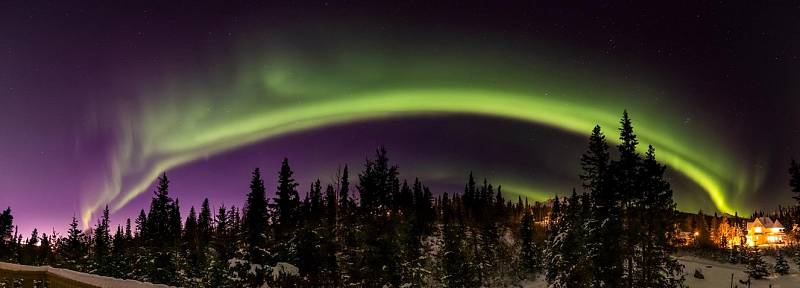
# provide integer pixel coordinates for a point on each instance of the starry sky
(97, 100)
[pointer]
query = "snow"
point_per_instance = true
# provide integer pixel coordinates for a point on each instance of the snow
(717, 275)
(235, 262)
(254, 268)
(283, 268)
(539, 282)
(95, 280)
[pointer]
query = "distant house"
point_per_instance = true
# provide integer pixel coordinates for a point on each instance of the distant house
(764, 231)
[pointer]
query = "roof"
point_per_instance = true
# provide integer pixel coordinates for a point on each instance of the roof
(765, 222)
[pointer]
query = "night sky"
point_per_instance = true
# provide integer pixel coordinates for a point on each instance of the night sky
(96, 101)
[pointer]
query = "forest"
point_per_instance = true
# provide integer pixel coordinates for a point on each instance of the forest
(378, 229)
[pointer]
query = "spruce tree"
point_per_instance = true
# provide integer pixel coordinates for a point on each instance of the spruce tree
(529, 253)
(204, 230)
(128, 231)
(555, 236)
(756, 266)
(6, 230)
(102, 246)
(255, 228)
(346, 202)
(119, 261)
(457, 270)
(470, 196)
(733, 255)
(625, 183)
(223, 246)
(190, 250)
(287, 203)
(73, 249)
(31, 249)
(314, 208)
(656, 266)
(604, 222)
(161, 235)
(45, 251)
(141, 225)
(378, 183)
(781, 265)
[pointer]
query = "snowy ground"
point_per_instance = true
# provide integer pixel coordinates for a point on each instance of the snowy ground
(94, 280)
(719, 274)
(716, 275)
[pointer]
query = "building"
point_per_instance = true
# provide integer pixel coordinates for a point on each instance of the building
(763, 231)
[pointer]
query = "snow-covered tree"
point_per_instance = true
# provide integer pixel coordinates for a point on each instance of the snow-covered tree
(529, 252)
(756, 268)
(781, 265)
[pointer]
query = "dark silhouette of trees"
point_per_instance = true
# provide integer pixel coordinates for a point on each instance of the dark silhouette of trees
(287, 203)
(390, 232)
(102, 246)
(7, 239)
(623, 225)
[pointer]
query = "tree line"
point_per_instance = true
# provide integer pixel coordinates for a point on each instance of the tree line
(384, 232)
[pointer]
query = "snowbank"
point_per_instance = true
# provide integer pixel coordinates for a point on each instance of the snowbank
(95, 280)
(283, 268)
(719, 274)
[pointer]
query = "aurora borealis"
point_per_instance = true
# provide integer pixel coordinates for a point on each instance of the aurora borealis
(93, 114)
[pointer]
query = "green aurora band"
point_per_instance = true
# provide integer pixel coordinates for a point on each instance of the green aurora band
(289, 91)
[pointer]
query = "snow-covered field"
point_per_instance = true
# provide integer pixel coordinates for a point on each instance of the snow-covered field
(719, 274)
(716, 275)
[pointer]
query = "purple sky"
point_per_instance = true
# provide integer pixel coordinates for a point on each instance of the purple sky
(65, 71)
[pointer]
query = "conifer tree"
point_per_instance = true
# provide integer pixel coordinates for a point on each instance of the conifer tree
(656, 266)
(255, 228)
(346, 202)
(781, 265)
(175, 224)
(703, 238)
(6, 237)
(314, 207)
(554, 235)
(625, 183)
(102, 246)
(331, 206)
(756, 266)
(733, 255)
(191, 250)
(378, 183)
(141, 225)
(161, 234)
(119, 256)
(287, 203)
(223, 247)
(529, 253)
(470, 195)
(604, 223)
(31, 249)
(73, 249)
(204, 230)
(457, 270)
(128, 231)
(45, 251)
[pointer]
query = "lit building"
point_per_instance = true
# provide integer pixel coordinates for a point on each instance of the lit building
(763, 231)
